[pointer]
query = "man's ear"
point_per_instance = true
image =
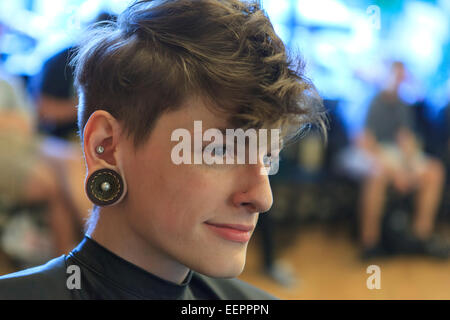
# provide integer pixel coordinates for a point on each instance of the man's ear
(102, 129)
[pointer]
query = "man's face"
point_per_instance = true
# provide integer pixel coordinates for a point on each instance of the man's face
(399, 73)
(176, 209)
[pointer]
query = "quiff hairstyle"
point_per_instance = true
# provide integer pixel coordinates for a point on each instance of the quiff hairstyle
(160, 52)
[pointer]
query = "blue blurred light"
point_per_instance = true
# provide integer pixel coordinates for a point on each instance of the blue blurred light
(344, 50)
(323, 12)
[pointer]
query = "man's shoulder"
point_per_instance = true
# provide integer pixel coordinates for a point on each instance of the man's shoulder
(47, 281)
(235, 289)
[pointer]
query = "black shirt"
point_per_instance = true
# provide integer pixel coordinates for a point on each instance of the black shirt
(386, 116)
(104, 275)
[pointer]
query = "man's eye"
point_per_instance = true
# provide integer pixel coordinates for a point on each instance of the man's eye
(271, 156)
(221, 150)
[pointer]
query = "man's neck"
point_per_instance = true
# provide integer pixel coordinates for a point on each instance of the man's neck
(113, 232)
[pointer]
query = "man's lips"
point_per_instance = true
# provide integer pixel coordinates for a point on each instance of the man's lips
(233, 232)
(240, 227)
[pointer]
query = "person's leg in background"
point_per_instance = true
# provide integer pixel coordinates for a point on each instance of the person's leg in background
(387, 169)
(266, 226)
(278, 271)
(372, 203)
(430, 184)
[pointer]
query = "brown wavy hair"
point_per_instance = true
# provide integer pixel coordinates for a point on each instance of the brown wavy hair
(159, 52)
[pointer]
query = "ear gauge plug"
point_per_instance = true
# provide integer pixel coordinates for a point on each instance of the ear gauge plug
(105, 187)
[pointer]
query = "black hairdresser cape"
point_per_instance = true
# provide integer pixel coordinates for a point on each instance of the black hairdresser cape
(104, 275)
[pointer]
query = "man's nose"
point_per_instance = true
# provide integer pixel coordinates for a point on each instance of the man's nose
(255, 193)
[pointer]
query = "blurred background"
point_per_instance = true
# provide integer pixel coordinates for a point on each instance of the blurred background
(377, 193)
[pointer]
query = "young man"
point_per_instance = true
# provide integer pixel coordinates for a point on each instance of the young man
(160, 229)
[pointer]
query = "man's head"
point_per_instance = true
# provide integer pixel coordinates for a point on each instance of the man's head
(161, 52)
(162, 66)
(398, 74)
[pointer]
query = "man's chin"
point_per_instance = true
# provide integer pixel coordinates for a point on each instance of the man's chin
(216, 271)
(223, 275)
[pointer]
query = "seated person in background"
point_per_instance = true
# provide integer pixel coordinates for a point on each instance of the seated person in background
(161, 229)
(31, 171)
(396, 158)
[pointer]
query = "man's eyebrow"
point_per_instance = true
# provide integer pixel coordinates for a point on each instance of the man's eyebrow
(222, 130)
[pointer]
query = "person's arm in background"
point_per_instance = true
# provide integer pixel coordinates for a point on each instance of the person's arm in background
(367, 140)
(16, 114)
(408, 143)
(12, 121)
(406, 138)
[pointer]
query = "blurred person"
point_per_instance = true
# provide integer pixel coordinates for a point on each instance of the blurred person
(446, 130)
(38, 170)
(57, 100)
(159, 230)
(30, 171)
(445, 148)
(276, 269)
(396, 159)
(56, 97)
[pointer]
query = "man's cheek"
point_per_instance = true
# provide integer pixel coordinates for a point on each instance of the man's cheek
(173, 221)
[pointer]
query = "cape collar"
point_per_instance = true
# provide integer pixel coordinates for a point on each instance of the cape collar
(126, 275)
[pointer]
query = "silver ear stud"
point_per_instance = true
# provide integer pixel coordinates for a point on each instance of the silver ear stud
(105, 186)
(100, 149)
